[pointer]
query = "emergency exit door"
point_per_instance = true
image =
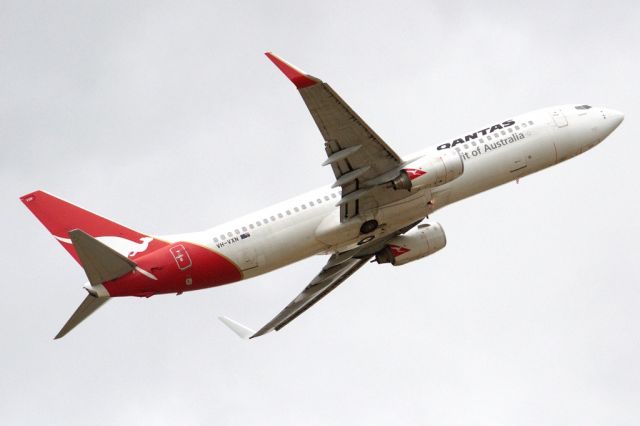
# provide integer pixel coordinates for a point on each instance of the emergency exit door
(559, 118)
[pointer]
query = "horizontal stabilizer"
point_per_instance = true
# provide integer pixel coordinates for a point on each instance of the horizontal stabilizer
(100, 262)
(86, 308)
(241, 330)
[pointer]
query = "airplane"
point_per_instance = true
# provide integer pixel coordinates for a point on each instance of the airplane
(377, 210)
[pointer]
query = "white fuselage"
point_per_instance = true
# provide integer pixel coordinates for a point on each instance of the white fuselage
(309, 224)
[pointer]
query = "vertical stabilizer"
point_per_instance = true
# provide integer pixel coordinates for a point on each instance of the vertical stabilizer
(60, 217)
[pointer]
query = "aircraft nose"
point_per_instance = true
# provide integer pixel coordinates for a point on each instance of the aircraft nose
(615, 117)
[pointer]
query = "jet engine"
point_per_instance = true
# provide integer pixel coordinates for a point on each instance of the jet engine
(419, 242)
(428, 172)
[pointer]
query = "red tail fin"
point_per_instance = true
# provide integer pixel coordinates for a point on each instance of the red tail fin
(60, 217)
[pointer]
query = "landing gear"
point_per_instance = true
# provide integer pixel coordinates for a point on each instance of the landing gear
(369, 226)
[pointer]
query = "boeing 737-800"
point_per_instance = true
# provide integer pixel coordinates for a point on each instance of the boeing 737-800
(377, 209)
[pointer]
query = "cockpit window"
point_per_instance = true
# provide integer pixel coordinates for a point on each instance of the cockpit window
(583, 107)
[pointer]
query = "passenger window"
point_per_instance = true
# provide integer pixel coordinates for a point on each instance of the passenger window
(319, 200)
(288, 212)
(304, 207)
(473, 143)
(296, 209)
(237, 231)
(311, 204)
(489, 137)
(215, 239)
(333, 195)
(280, 215)
(222, 237)
(531, 123)
(244, 229)
(517, 127)
(229, 234)
(524, 125)
(466, 146)
(265, 221)
(273, 218)
(510, 130)
(258, 223)
(326, 198)
(503, 132)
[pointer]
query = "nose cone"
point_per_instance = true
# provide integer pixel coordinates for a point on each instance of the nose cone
(606, 121)
(614, 118)
(609, 120)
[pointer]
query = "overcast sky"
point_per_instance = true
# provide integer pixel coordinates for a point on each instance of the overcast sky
(168, 118)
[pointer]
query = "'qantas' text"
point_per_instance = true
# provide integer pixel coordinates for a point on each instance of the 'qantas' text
(474, 135)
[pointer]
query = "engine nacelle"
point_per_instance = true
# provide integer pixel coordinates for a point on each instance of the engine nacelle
(422, 241)
(428, 172)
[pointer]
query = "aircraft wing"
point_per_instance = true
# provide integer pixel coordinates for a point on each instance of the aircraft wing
(338, 268)
(328, 279)
(360, 159)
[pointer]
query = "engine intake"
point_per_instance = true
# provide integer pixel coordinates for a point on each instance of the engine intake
(420, 242)
(430, 172)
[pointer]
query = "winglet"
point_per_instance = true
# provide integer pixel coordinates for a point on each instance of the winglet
(236, 327)
(297, 77)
